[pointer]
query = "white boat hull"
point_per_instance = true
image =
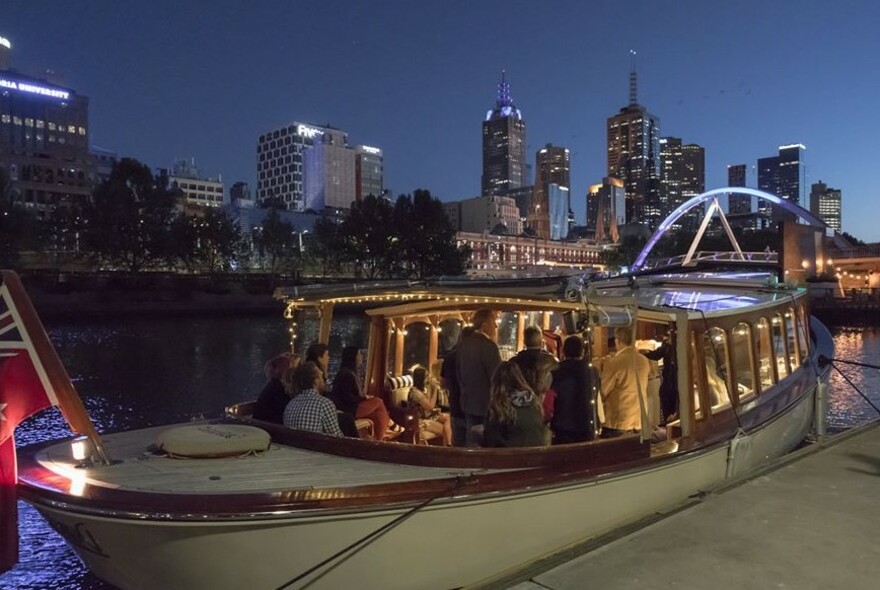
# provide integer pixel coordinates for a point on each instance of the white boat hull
(447, 544)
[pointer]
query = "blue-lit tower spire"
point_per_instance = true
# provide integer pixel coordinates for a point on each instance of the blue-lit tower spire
(504, 157)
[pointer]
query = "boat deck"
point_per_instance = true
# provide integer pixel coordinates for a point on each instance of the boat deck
(281, 468)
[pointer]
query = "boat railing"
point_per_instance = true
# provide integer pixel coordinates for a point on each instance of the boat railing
(702, 257)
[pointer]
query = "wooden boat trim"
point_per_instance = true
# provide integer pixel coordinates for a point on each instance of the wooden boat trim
(43, 487)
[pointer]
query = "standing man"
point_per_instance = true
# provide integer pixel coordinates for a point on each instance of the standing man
(624, 380)
(536, 363)
(576, 383)
(669, 376)
(478, 357)
(449, 380)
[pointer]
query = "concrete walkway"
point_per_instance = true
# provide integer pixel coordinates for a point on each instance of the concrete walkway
(811, 522)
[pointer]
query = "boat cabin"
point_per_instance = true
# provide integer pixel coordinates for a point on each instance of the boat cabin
(736, 339)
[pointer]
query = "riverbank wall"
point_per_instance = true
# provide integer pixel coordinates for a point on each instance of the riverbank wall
(108, 295)
(853, 308)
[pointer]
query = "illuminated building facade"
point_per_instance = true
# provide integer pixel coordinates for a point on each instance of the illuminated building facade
(782, 175)
(44, 141)
(606, 209)
(551, 199)
(559, 200)
(369, 172)
(329, 172)
(492, 253)
(825, 203)
(280, 164)
(682, 176)
(504, 145)
(633, 145)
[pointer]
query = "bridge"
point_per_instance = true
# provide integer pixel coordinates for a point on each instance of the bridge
(810, 252)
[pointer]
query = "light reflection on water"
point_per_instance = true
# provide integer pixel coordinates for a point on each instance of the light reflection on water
(143, 372)
(846, 407)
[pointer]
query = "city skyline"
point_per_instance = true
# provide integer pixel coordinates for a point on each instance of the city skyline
(169, 81)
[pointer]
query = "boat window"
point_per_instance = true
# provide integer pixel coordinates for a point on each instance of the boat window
(803, 341)
(743, 365)
(534, 318)
(416, 342)
(507, 333)
(391, 352)
(791, 338)
(715, 353)
(698, 408)
(449, 332)
(779, 351)
(554, 341)
(766, 374)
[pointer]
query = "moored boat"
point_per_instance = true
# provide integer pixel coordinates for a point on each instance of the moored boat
(308, 510)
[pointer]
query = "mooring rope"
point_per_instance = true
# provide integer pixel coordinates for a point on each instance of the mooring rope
(459, 482)
(825, 361)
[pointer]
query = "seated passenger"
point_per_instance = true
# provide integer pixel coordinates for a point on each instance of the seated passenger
(422, 398)
(576, 384)
(436, 375)
(514, 418)
(309, 409)
(274, 397)
(319, 353)
(349, 397)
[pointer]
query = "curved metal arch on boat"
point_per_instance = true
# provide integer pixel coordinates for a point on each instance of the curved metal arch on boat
(709, 196)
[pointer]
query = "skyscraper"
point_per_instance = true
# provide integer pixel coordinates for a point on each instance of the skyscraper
(551, 200)
(825, 203)
(504, 145)
(368, 171)
(783, 176)
(280, 164)
(44, 140)
(606, 204)
(682, 176)
(634, 156)
(738, 204)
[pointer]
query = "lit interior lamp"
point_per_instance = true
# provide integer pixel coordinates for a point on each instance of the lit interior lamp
(82, 450)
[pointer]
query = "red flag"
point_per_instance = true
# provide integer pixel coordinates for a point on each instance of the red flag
(21, 391)
(21, 394)
(31, 379)
(8, 506)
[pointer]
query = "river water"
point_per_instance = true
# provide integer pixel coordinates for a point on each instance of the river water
(146, 372)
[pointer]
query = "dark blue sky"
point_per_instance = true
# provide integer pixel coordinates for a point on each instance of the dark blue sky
(204, 78)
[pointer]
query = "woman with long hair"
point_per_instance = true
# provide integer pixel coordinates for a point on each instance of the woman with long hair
(349, 397)
(319, 353)
(515, 418)
(424, 398)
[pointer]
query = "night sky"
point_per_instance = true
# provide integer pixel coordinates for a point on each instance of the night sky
(203, 79)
